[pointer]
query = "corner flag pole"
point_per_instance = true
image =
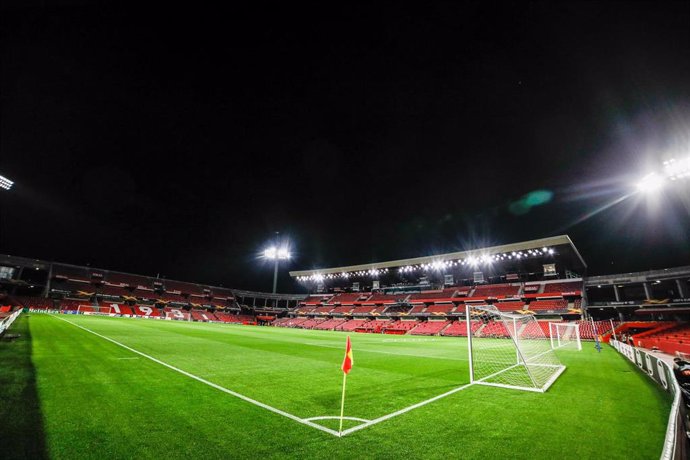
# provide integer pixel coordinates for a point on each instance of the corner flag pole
(347, 365)
(342, 405)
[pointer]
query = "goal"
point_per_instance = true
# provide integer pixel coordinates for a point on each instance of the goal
(565, 335)
(94, 309)
(509, 350)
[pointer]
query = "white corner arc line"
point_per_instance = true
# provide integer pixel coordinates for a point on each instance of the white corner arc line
(211, 384)
(337, 417)
(406, 409)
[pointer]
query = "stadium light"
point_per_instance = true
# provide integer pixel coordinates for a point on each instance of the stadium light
(276, 254)
(5, 183)
(650, 183)
(677, 169)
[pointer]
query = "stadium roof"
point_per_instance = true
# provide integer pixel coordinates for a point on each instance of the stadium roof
(564, 245)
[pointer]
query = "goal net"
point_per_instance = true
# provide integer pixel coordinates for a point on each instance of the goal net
(94, 309)
(565, 335)
(510, 350)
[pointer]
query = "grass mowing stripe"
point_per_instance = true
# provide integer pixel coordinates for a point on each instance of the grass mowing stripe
(206, 382)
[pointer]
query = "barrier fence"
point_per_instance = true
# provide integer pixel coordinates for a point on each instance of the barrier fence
(7, 322)
(676, 442)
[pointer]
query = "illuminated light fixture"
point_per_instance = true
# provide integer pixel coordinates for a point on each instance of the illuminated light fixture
(5, 183)
(650, 183)
(276, 254)
(677, 169)
(550, 251)
(544, 249)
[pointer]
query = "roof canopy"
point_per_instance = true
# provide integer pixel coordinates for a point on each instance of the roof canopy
(562, 245)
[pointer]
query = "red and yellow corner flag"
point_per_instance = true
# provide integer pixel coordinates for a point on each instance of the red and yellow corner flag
(348, 361)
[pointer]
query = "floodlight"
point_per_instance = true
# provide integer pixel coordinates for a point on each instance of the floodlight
(677, 169)
(270, 253)
(5, 183)
(650, 183)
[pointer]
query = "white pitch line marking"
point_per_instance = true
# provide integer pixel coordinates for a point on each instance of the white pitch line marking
(406, 409)
(337, 417)
(211, 384)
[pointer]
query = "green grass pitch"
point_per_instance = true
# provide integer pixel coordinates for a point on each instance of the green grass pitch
(68, 393)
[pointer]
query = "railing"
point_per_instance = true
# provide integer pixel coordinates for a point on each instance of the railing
(7, 322)
(676, 441)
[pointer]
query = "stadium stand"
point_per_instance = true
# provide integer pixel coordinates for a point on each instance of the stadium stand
(565, 286)
(330, 324)
(282, 322)
(117, 291)
(602, 327)
(493, 329)
(551, 305)
(176, 314)
(400, 327)
(441, 308)
(36, 303)
(364, 310)
(496, 290)
(315, 300)
(117, 308)
(72, 304)
(378, 297)
(310, 323)
(417, 309)
(510, 306)
(203, 315)
(431, 295)
(349, 326)
(459, 328)
(239, 319)
(375, 326)
(429, 328)
(342, 310)
(348, 297)
(147, 310)
(124, 278)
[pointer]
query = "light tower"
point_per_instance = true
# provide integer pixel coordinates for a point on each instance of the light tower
(5, 184)
(276, 254)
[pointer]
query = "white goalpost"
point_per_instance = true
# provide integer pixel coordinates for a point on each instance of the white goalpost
(509, 350)
(94, 309)
(565, 335)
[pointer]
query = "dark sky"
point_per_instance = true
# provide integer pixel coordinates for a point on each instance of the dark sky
(179, 141)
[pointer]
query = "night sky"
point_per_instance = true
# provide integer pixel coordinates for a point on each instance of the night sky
(178, 142)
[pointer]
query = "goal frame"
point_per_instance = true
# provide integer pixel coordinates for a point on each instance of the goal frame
(553, 326)
(101, 310)
(519, 358)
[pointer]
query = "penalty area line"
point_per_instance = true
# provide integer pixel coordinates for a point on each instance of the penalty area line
(206, 382)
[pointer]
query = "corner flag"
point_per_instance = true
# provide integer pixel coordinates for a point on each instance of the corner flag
(347, 365)
(347, 362)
